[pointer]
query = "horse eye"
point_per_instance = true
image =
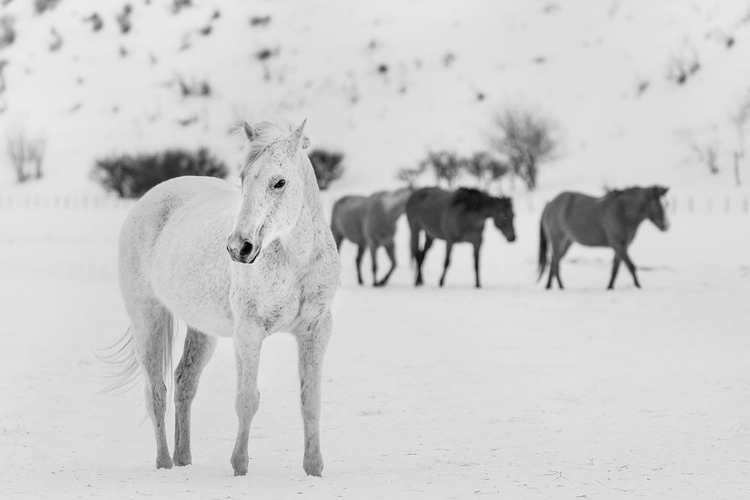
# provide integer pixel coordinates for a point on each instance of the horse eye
(279, 184)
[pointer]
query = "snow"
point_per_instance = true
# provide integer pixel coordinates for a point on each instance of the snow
(509, 391)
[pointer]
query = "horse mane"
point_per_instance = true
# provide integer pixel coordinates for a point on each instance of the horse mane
(268, 133)
(624, 192)
(473, 200)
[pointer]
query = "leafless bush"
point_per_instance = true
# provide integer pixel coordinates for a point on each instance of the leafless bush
(739, 121)
(410, 175)
(446, 165)
(524, 139)
(486, 169)
(683, 65)
(7, 31)
(194, 88)
(41, 6)
(96, 21)
(123, 19)
(26, 154)
(178, 5)
(260, 21)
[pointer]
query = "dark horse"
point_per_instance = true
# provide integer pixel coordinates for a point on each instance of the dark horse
(454, 216)
(609, 221)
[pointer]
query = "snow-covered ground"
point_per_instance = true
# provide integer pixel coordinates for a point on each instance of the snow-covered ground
(510, 391)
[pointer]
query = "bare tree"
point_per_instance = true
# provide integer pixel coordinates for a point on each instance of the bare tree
(486, 169)
(739, 121)
(409, 175)
(526, 140)
(17, 150)
(24, 151)
(446, 165)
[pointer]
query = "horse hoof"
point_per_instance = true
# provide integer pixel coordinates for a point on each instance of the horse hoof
(182, 461)
(163, 463)
(313, 467)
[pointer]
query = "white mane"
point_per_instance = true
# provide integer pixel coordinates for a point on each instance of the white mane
(268, 133)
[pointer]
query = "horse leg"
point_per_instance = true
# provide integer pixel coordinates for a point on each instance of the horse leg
(360, 254)
(477, 247)
(247, 343)
(564, 246)
(152, 338)
(448, 249)
(622, 252)
(198, 351)
(338, 238)
(428, 240)
(615, 268)
(391, 250)
(374, 259)
(311, 348)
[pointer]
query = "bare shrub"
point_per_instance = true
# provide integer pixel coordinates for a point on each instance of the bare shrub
(683, 65)
(178, 5)
(194, 88)
(327, 165)
(410, 175)
(739, 121)
(26, 154)
(7, 31)
(123, 19)
(486, 169)
(130, 176)
(445, 165)
(260, 21)
(41, 6)
(96, 21)
(525, 140)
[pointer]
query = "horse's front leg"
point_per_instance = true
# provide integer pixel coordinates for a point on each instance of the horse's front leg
(248, 338)
(312, 341)
(621, 251)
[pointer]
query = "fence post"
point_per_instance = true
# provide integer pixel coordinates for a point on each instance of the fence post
(745, 205)
(709, 205)
(690, 205)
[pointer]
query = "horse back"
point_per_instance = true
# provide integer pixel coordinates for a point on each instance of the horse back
(578, 217)
(347, 217)
(425, 210)
(174, 242)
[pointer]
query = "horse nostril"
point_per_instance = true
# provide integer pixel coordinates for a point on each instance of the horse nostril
(246, 249)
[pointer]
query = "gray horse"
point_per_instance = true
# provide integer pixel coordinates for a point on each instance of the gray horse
(370, 222)
(455, 216)
(609, 221)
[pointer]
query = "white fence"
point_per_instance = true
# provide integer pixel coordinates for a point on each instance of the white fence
(735, 204)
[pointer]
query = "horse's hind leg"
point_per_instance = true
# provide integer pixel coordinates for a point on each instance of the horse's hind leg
(374, 259)
(448, 249)
(152, 337)
(311, 347)
(421, 256)
(391, 250)
(360, 254)
(564, 247)
(198, 351)
(615, 268)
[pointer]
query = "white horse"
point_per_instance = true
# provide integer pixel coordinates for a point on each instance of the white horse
(240, 263)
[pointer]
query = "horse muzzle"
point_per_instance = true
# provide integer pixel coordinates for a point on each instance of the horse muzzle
(242, 250)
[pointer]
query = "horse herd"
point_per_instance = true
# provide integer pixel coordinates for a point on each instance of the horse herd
(459, 216)
(246, 263)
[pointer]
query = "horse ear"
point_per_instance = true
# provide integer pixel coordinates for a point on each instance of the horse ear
(298, 139)
(249, 131)
(663, 190)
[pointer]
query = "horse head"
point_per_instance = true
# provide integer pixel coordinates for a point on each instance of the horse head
(502, 215)
(655, 207)
(274, 176)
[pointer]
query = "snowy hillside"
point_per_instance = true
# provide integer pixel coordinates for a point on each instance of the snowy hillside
(382, 81)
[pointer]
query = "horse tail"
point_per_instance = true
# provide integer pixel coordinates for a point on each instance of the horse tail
(542, 249)
(123, 353)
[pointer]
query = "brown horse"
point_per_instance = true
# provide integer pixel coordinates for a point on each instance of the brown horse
(455, 216)
(609, 221)
(370, 222)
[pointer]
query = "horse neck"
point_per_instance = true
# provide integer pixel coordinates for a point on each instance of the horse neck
(635, 209)
(311, 224)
